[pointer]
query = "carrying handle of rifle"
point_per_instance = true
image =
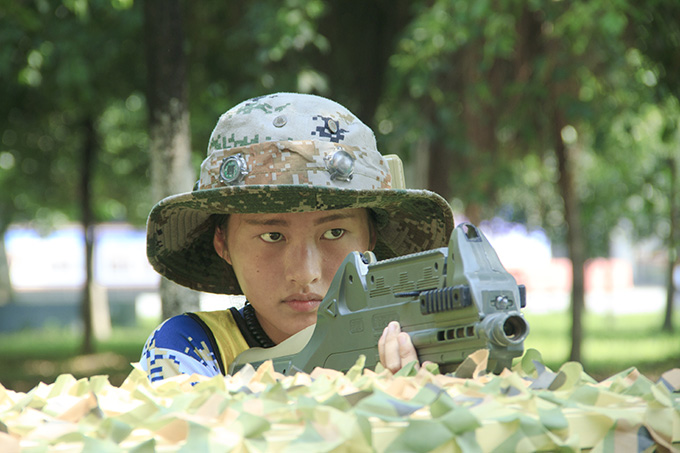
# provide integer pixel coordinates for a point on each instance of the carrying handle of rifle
(368, 257)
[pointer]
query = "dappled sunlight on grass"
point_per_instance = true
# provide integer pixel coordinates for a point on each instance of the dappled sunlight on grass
(610, 344)
(31, 356)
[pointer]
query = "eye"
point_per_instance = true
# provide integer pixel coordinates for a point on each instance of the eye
(271, 237)
(334, 233)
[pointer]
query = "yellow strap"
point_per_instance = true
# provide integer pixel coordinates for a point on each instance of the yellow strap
(227, 335)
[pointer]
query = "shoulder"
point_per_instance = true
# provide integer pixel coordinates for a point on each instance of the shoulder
(179, 345)
(175, 332)
(228, 331)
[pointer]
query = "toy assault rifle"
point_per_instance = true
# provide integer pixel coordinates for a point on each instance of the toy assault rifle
(452, 301)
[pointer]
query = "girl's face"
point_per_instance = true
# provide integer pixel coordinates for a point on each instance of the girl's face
(285, 262)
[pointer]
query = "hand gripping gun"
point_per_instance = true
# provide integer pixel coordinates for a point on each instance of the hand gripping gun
(452, 301)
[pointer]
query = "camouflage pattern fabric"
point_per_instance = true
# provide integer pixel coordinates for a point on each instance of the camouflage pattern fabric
(288, 153)
(297, 162)
(528, 409)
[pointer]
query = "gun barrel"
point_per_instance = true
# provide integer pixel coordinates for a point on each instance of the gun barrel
(505, 329)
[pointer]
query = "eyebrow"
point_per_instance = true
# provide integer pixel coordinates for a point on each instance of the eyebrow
(280, 222)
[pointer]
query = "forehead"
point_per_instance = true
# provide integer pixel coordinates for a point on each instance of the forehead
(301, 219)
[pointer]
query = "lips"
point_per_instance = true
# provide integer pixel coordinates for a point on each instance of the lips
(303, 302)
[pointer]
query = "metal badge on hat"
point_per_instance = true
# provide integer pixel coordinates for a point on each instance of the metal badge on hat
(233, 169)
(340, 165)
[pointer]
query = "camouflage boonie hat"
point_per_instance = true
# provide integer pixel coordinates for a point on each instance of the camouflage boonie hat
(288, 152)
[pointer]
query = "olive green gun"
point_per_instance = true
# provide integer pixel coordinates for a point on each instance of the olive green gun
(452, 301)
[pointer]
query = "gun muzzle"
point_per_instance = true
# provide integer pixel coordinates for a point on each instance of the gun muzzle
(505, 329)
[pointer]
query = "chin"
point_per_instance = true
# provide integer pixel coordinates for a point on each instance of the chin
(309, 320)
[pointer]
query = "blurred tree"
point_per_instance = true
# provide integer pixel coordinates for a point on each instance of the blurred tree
(63, 63)
(334, 48)
(673, 243)
(170, 140)
(639, 186)
(238, 50)
(361, 36)
(656, 30)
(478, 86)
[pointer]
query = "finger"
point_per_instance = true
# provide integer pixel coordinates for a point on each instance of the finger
(407, 352)
(381, 345)
(391, 358)
(430, 366)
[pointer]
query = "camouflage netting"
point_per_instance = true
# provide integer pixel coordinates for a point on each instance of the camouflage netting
(530, 408)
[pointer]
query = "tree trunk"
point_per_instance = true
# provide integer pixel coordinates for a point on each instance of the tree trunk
(170, 140)
(420, 165)
(5, 281)
(440, 163)
(362, 36)
(673, 259)
(575, 239)
(88, 158)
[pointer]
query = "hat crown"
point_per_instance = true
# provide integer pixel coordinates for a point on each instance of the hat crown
(289, 117)
(291, 138)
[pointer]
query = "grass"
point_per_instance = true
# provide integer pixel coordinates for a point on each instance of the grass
(31, 356)
(611, 344)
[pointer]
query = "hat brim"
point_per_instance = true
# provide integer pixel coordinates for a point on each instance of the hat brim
(180, 231)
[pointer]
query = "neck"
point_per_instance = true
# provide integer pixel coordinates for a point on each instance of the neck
(256, 329)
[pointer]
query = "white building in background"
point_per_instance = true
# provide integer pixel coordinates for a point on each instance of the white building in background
(47, 275)
(56, 261)
(49, 269)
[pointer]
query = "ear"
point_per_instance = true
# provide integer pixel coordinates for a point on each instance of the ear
(220, 244)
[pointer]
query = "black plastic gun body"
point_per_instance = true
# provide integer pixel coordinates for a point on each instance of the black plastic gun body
(452, 301)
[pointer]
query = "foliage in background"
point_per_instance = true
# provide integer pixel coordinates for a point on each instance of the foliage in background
(477, 80)
(238, 50)
(66, 59)
(66, 63)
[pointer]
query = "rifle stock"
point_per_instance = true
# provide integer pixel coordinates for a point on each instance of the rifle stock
(452, 301)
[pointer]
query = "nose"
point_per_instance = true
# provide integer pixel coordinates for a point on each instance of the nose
(303, 263)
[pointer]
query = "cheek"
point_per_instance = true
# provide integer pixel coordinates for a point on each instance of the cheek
(333, 261)
(247, 268)
(336, 256)
(330, 267)
(257, 269)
